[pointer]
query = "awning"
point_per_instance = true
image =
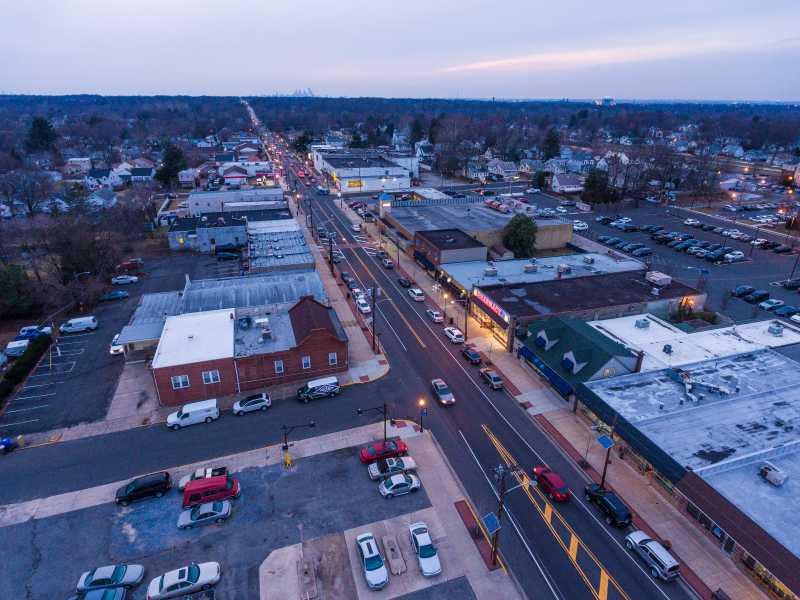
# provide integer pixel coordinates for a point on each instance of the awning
(561, 386)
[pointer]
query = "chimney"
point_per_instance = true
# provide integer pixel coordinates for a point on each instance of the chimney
(639, 361)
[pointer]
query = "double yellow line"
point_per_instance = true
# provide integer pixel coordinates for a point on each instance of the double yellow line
(572, 545)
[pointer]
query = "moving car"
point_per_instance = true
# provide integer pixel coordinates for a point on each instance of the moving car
(154, 485)
(186, 580)
(381, 449)
(442, 392)
(416, 294)
(115, 347)
(473, 356)
(221, 487)
(380, 469)
(375, 572)
(387, 263)
(203, 514)
(423, 548)
(252, 403)
(111, 576)
(491, 377)
(434, 315)
(115, 295)
(403, 282)
(356, 227)
(614, 509)
(551, 484)
(661, 563)
(201, 473)
(454, 335)
(124, 279)
(399, 485)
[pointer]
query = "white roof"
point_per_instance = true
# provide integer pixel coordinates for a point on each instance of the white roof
(195, 337)
(267, 227)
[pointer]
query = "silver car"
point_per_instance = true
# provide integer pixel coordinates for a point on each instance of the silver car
(111, 576)
(252, 403)
(203, 514)
(191, 578)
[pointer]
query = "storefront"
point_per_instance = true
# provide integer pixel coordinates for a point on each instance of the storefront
(491, 316)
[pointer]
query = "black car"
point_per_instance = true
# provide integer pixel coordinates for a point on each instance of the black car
(769, 245)
(154, 485)
(792, 284)
(614, 509)
(603, 220)
(742, 290)
(642, 252)
(404, 282)
(713, 247)
(708, 227)
(718, 229)
(715, 256)
(756, 296)
(603, 238)
(781, 249)
(228, 256)
(346, 276)
(473, 356)
(674, 243)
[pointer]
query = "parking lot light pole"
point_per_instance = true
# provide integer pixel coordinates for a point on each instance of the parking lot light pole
(444, 306)
(287, 429)
(383, 410)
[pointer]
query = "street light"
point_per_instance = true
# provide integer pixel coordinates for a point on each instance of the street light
(444, 304)
(383, 410)
(287, 429)
(421, 403)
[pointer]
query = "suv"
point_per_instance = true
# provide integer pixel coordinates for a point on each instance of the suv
(492, 378)
(147, 486)
(387, 263)
(252, 403)
(614, 509)
(662, 564)
(472, 355)
(375, 572)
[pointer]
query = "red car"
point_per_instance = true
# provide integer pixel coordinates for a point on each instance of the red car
(386, 449)
(551, 484)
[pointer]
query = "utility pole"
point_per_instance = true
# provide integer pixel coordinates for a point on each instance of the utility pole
(374, 316)
(500, 473)
(330, 251)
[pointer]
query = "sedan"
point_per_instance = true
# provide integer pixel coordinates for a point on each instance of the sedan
(403, 282)
(454, 335)
(756, 296)
(551, 484)
(472, 355)
(186, 580)
(426, 553)
(381, 469)
(382, 449)
(375, 572)
(691, 222)
(434, 315)
(492, 378)
(741, 291)
(771, 304)
(115, 295)
(363, 306)
(786, 311)
(399, 485)
(124, 279)
(580, 226)
(203, 514)
(252, 403)
(111, 576)
(442, 392)
(115, 347)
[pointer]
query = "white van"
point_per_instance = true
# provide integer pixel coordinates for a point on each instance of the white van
(79, 324)
(193, 413)
(319, 388)
(17, 348)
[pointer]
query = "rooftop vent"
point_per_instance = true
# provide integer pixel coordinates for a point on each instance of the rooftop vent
(772, 474)
(530, 268)
(642, 323)
(667, 349)
(775, 329)
(589, 260)
(564, 268)
(490, 272)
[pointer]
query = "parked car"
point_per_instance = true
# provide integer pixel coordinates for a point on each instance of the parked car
(551, 484)
(434, 315)
(387, 263)
(742, 290)
(325, 387)
(473, 356)
(792, 284)
(34, 331)
(193, 413)
(454, 335)
(691, 221)
(201, 473)
(756, 296)
(204, 514)
(381, 449)
(403, 282)
(442, 392)
(580, 225)
(642, 252)
(375, 572)
(252, 403)
(735, 256)
(186, 580)
(118, 593)
(661, 563)
(416, 294)
(491, 377)
(154, 485)
(614, 509)
(771, 304)
(115, 295)
(380, 469)
(423, 548)
(399, 485)
(632, 246)
(208, 489)
(782, 249)
(115, 347)
(363, 306)
(786, 311)
(124, 279)
(110, 576)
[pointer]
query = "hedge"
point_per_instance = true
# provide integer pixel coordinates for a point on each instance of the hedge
(24, 365)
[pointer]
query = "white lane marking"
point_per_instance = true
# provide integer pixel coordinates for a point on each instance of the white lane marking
(19, 423)
(34, 396)
(16, 410)
(546, 576)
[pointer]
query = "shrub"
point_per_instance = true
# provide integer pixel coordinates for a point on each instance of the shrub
(28, 361)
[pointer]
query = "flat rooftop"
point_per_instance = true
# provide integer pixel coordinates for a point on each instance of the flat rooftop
(279, 250)
(196, 337)
(666, 345)
(520, 271)
(358, 161)
(449, 239)
(250, 325)
(746, 409)
(230, 218)
(557, 296)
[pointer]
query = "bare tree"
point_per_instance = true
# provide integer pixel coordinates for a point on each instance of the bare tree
(32, 189)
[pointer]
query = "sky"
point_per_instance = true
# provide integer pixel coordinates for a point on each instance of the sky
(579, 49)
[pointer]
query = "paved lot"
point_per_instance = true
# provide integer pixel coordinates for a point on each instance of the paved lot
(323, 494)
(455, 589)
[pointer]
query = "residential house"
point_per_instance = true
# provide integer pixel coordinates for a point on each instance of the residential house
(502, 168)
(423, 150)
(530, 166)
(102, 198)
(188, 178)
(102, 178)
(247, 149)
(556, 165)
(567, 183)
(234, 175)
(142, 174)
(77, 167)
(142, 162)
(476, 170)
(580, 162)
(734, 150)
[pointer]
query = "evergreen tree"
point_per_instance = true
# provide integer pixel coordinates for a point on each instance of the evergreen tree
(551, 147)
(172, 164)
(41, 135)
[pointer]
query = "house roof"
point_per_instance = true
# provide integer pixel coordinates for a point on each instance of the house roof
(99, 173)
(309, 316)
(567, 179)
(141, 171)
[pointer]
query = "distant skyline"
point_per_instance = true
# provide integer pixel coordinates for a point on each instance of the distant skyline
(724, 50)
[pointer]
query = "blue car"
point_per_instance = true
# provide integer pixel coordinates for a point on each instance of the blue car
(787, 311)
(115, 295)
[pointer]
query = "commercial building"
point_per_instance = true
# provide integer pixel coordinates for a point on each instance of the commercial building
(721, 438)
(199, 203)
(223, 352)
(362, 172)
(439, 246)
(277, 245)
(204, 233)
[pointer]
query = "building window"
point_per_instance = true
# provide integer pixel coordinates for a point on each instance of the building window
(609, 372)
(211, 377)
(333, 360)
(306, 362)
(180, 381)
(278, 367)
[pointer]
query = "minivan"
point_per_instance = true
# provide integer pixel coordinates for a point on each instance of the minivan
(147, 486)
(193, 413)
(79, 324)
(326, 387)
(662, 564)
(222, 487)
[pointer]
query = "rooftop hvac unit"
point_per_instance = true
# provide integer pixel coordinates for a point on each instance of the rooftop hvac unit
(589, 260)
(667, 349)
(772, 474)
(490, 272)
(775, 329)
(564, 268)
(642, 323)
(530, 268)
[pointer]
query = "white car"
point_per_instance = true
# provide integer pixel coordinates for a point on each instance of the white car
(115, 347)
(252, 403)
(363, 306)
(771, 304)
(356, 227)
(375, 571)
(386, 467)
(533, 191)
(758, 242)
(33, 329)
(186, 580)
(561, 209)
(434, 315)
(734, 256)
(691, 221)
(454, 335)
(417, 294)
(580, 226)
(124, 279)
(423, 548)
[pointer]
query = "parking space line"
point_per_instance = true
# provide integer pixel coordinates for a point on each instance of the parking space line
(73, 352)
(16, 410)
(60, 343)
(37, 385)
(34, 396)
(76, 335)
(19, 423)
(43, 375)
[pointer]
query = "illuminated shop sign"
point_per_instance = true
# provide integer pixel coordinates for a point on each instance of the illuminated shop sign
(491, 305)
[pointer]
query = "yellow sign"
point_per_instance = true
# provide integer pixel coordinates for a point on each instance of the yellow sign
(287, 460)
(354, 183)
